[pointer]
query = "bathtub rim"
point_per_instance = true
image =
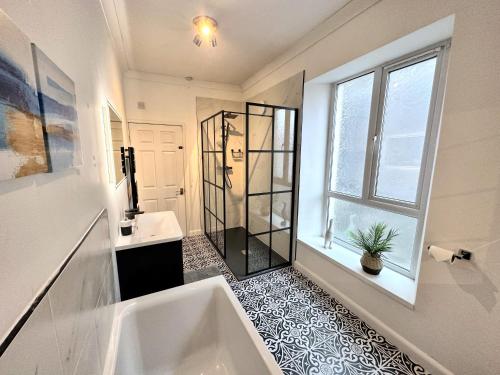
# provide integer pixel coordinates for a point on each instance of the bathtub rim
(125, 308)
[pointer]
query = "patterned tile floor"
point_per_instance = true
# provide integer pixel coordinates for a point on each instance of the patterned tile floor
(306, 330)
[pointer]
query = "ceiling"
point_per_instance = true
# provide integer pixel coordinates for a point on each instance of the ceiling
(156, 35)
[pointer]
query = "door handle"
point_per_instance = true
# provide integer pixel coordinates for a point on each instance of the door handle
(180, 192)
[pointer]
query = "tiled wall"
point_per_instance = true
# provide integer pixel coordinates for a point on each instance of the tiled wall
(68, 332)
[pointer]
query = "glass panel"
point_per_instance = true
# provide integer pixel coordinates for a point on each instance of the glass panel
(283, 171)
(207, 222)
(212, 167)
(206, 166)
(205, 135)
(404, 125)
(219, 169)
(284, 128)
(220, 236)
(213, 232)
(212, 199)
(218, 132)
(282, 205)
(352, 116)
(259, 213)
(289, 140)
(348, 216)
(259, 131)
(220, 204)
(207, 195)
(259, 172)
(210, 135)
(258, 253)
(281, 247)
(279, 165)
(280, 129)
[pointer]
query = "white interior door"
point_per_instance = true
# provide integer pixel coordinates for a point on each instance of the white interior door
(159, 157)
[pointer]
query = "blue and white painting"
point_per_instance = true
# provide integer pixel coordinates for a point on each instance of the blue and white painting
(58, 108)
(22, 145)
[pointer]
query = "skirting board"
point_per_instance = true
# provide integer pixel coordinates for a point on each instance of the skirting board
(195, 232)
(429, 363)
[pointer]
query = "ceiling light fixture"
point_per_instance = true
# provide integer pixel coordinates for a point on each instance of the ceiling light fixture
(205, 30)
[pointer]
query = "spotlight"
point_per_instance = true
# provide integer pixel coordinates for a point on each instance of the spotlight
(197, 40)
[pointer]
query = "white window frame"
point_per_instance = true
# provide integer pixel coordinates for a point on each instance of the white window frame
(368, 198)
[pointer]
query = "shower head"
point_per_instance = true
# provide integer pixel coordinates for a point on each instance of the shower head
(230, 115)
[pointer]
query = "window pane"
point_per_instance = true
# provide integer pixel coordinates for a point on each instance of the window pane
(404, 125)
(352, 116)
(348, 216)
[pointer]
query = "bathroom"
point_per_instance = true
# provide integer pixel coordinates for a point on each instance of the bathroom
(284, 82)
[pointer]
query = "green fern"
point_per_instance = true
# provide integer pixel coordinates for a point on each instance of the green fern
(374, 241)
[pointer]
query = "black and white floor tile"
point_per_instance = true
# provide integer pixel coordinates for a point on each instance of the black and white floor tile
(306, 330)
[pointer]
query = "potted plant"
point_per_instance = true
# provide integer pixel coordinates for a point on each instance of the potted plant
(374, 243)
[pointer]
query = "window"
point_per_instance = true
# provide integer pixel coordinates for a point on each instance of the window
(381, 151)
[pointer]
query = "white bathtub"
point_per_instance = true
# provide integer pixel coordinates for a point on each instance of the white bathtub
(199, 328)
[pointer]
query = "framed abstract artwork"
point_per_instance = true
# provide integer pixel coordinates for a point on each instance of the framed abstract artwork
(57, 100)
(22, 145)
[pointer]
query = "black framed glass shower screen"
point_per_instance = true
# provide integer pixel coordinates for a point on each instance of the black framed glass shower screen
(270, 185)
(214, 189)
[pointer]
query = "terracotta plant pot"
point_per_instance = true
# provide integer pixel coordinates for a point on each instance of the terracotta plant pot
(371, 265)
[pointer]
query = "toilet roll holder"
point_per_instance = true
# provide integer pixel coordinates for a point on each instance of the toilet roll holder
(462, 254)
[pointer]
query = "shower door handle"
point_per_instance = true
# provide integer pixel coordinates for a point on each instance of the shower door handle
(180, 192)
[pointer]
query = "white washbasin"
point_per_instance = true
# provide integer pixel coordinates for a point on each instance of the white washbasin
(195, 329)
(151, 228)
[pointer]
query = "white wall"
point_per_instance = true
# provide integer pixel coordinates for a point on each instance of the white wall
(315, 121)
(456, 319)
(172, 101)
(43, 216)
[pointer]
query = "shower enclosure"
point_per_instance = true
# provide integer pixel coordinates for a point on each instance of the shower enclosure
(249, 189)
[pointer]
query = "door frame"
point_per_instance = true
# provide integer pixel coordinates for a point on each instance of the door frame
(184, 171)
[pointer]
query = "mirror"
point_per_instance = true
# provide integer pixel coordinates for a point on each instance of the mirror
(115, 140)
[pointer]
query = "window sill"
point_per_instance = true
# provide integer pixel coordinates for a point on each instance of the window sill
(401, 288)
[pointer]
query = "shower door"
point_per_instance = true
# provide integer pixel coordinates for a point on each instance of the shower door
(213, 160)
(270, 185)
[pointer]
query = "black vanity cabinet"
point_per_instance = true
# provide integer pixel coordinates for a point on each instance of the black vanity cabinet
(149, 263)
(149, 269)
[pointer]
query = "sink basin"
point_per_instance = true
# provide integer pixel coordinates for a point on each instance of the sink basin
(152, 228)
(155, 223)
(199, 328)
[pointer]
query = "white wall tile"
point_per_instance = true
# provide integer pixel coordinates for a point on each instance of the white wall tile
(89, 363)
(104, 313)
(34, 350)
(71, 307)
(74, 296)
